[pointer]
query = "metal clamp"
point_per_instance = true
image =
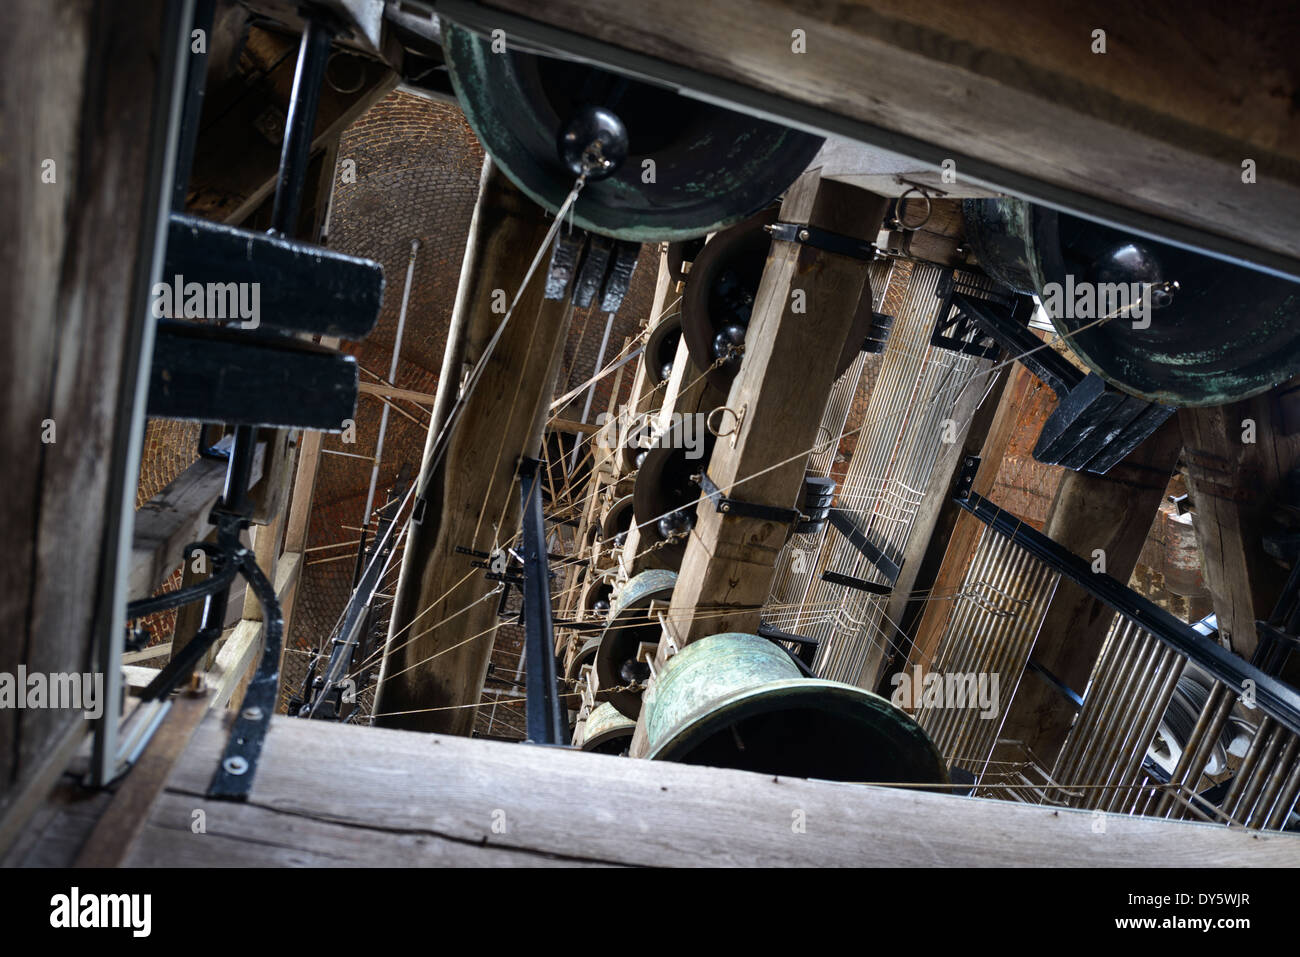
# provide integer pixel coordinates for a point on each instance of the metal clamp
(731, 506)
(823, 239)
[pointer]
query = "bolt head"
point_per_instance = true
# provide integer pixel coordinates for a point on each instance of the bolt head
(235, 765)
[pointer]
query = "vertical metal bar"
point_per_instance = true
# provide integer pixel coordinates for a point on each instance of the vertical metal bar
(383, 416)
(124, 459)
(546, 723)
(196, 74)
(300, 124)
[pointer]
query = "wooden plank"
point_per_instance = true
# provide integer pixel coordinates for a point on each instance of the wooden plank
(393, 392)
(471, 499)
(510, 798)
(242, 835)
(1235, 488)
(126, 815)
(1160, 121)
(782, 387)
(80, 213)
(234, 663)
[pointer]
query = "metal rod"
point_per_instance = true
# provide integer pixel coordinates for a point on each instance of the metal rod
(300, 123)
(545, 719)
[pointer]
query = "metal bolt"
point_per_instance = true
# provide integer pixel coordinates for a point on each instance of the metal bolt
(803, 235)
(235, 765)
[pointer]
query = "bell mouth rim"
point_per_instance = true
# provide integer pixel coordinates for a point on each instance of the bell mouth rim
(661, 331)
(626, 728)
(742, 703)
(794, 147)
(659, 586)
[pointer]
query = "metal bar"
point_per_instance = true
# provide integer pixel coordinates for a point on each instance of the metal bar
(1275, 697)
(123, 458)
(844, 522)
(1010, 330)
(545, 720)
(300, 123)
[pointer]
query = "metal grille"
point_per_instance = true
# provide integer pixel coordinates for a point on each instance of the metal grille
(896, 447)
(989, 635)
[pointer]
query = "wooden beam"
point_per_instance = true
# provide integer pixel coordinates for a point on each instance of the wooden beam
(393, 392)
(442, 629)
(81, 207)
(967, 529)
(803, 309)
(1161, 120)
(375, 807)
(1238, 457)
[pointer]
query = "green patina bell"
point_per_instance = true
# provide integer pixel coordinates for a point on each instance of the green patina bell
(629, 625)
(1223, 333)
(735, 700)
(606, 731)
(689, 167)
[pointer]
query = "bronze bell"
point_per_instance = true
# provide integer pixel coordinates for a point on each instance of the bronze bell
(661, 348)
(1213, 332)
(665, 496)
(572, 695)
(736, 700)
(712, 166)
(718, 303)
(617, 521)
(606, 731)
(629, 625)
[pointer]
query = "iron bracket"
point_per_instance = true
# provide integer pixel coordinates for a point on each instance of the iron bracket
(740, 509)
(823, 239)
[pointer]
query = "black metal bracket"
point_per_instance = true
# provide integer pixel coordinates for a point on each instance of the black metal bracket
(848, 526)
(823, 239)
(956, 330)
(860, 584)
(1008, 326)
(741, 509)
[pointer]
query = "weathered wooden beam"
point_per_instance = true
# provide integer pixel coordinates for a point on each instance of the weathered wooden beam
(1238, 457)
(1145, 131)
(81, 207)
(392, 392)
(1097, 517)
(442, 630)
(375, 808)
(803, 310)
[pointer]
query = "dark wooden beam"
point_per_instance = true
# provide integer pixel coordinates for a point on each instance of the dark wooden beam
(442, 631)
